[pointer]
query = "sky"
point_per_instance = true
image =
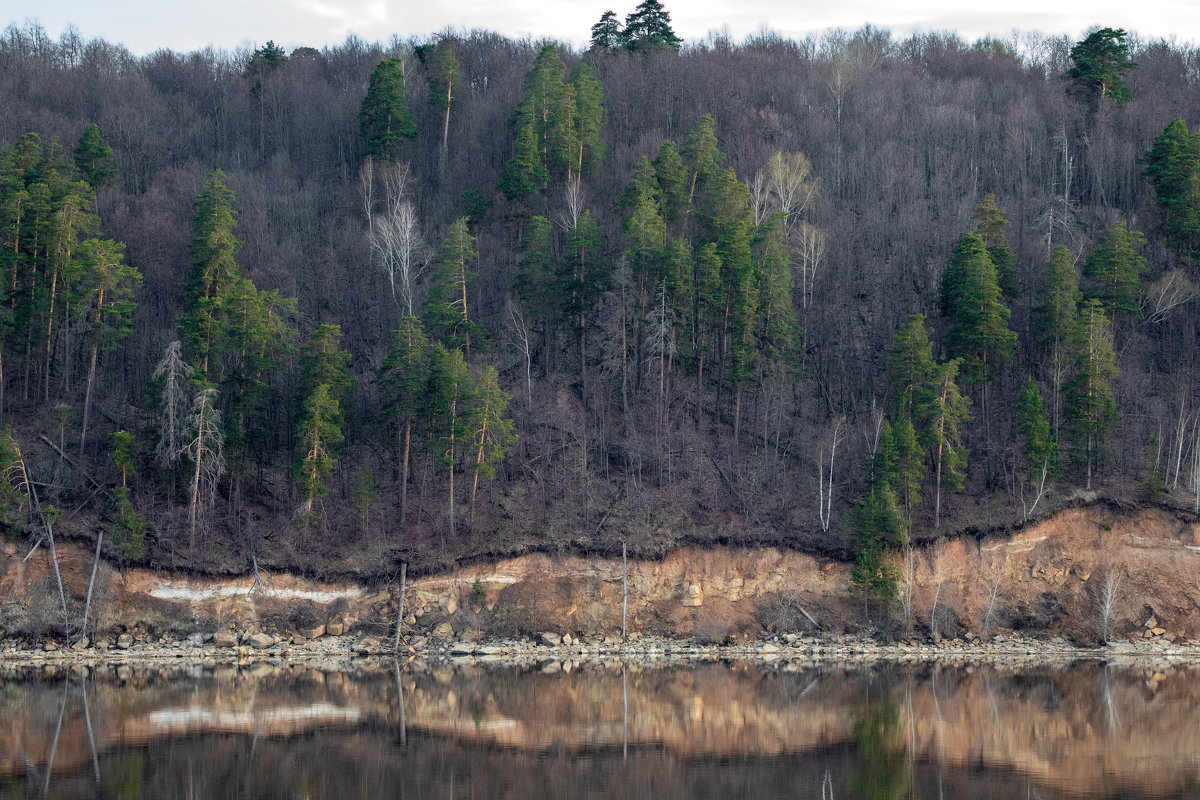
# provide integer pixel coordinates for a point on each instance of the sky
(144, 26)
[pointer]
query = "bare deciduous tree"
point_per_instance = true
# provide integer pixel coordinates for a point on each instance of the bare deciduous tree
(394, 233)
(206, 450)
(173, 371)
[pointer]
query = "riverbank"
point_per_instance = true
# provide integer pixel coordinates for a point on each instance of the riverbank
(552, 651)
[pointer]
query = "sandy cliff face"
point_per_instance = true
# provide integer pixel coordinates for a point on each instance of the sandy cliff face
(1067, 574)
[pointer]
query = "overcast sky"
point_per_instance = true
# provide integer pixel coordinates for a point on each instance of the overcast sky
(144, 26)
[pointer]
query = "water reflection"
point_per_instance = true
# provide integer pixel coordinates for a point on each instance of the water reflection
(879, 732)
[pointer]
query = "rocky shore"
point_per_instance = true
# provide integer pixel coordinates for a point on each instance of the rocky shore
(552, 651)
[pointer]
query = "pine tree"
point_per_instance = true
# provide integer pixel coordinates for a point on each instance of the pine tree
(1091, 407)
(606, 34)
(1100, 63)
(590, 116)
(672, 178)
(978, 331)
(215, 271)
(648, 29)
(1037, 443)
(913, 369)
(1115, 269)
(94, 158)
(524, 173)
(1173, 167)
(447, 309)
(948, 414)
(450, 391)
(319, 433)
(992, 225)
(384, 118)
(1054, 321)
(491, 432)
(403, 382)
(443, 84)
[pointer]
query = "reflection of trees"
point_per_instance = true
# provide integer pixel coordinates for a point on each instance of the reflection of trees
(882, 766)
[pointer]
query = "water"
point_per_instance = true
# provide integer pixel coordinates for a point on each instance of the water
(880, 731)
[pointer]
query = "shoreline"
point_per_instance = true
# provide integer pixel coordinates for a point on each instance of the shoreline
(352, 651)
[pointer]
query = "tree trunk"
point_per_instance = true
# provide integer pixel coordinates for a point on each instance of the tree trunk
(400, 605)
(87, 603)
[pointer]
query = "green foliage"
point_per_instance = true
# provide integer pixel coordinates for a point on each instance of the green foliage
(1100, 63)
(1058, 299)
(491, 431)
(445, 75)
(447, 312)
(1173, 167)
(992, 225)
(606, 34)
(702, 153)
(319, 433)
(524, 173)
(405, 374)
(1115, 269)
(913, 367)
(881, 530)
(384, 119)
(978, 331)
(323, 361)
(949, 413)
(124, 454)
(648, 29)
(1091, 407)
(127, 531)
(94, 158)
(1033, 426)
(672, 177)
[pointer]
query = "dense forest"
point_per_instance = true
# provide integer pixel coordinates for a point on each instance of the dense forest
(441, 299)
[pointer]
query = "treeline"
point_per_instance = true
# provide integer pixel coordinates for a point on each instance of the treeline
(472, 296)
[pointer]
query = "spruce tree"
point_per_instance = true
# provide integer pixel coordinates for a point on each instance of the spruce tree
(978, 331)
(94, 158)
(384, 118)
(992, 225)
(447, 309)
(1173, 167)
(1115, 269)
(403, 381)
(606, 33)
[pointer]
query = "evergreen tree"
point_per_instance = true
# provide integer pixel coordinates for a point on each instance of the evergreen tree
(491, 432)
(384, 118)
(447, 308)
(320, 433)
(443, 84)
(702, 154)
(1037, 443)
(1091, 407)
(94, 158)
(450, 392)
(215, 271)
(1100, 63)
(1054, 321)
(403, 382)
(672, 178)
(323, 361)
(913, 369)
(524, 173)
(948, 414)
(606, 34)
(1115, 269)
(881, 531)
(1173, 167)
(978, 330)
(648, 29)
(590, 116)
(992, 225)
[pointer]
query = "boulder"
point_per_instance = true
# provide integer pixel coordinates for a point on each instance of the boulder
(552, 639)
(472, 635)
(261, 641)
(125, 641)
(312, 633)
(220, 639)
(462, 648)
(335, 628)
(80, 644)
(443, 630)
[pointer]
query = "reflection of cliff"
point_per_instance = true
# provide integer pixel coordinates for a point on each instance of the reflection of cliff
(1091, 730)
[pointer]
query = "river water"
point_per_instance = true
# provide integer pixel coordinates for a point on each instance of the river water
(714, 730)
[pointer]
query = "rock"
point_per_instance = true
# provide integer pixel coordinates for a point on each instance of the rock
(489, 650)
(472, 635)
(411, 619)
(335, 628)
(1152, 622)
(261, 641)
(80, 644)
(125, 641)
(220, 639)
(552, 639)
(462, 648)
(769, 647)
(695, 596)
(568, 639)
(451, 606)
(443, 630)
(50, 647)
(1157, 631)
(312, 633)
(9, 548)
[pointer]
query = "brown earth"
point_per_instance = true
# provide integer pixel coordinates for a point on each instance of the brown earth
(1052, 576)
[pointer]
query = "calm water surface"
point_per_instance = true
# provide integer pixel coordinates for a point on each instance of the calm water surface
(701, 731)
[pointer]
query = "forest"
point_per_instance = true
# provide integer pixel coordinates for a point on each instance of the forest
(434, 300)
